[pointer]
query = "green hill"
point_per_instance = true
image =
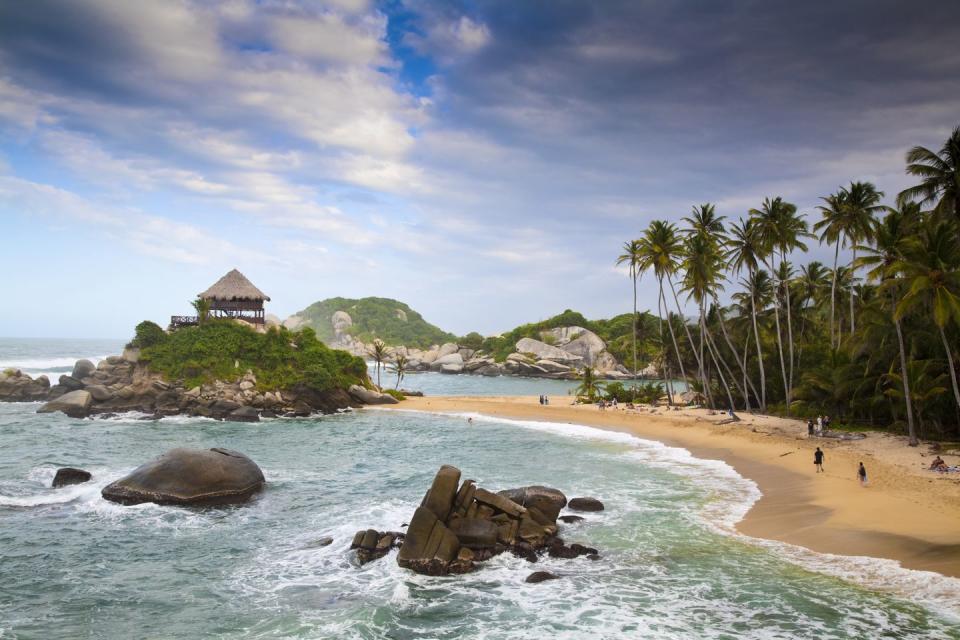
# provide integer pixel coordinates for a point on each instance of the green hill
(389, 320)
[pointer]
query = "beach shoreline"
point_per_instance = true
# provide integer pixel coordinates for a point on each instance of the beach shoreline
(905, 513)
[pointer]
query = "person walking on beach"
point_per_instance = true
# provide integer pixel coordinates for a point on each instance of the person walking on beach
(818, 460)
(862, 475)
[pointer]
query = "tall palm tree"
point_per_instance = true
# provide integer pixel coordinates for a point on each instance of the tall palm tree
(743, 252)
(931, 265)
(659, 248)
(882, 260)
(379, 352)
(940, 173)
(832, 231)
(702, 263)
(704, 220)
(862, 201)
(781, 228)
(632, 256)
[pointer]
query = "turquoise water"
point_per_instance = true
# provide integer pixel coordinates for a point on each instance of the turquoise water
(75, 566)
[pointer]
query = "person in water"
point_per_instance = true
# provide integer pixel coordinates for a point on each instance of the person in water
(862, 474)
(818, 460)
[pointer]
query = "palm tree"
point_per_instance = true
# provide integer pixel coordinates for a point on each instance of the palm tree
(832, 231)
(202, 307)
(379, 352)
(400, 363)
(632, 256)
(882, 260)
(781, 228)
(932, 267)
(659, 247)
(743, 252)
(704, 220)
(590, 387)
(940, 173)
(702, 264)
(862, 202)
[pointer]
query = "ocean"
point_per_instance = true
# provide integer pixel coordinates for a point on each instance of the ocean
(672, 566)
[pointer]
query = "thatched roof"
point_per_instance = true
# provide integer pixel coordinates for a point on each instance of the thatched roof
(234, 286)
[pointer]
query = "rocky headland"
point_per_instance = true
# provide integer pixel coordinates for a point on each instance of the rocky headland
(559, 353)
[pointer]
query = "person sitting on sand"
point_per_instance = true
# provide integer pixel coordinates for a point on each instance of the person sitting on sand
(818, 460)
(938, 464)
(862, 474)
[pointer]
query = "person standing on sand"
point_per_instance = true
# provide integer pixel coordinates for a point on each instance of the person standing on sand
(819, 428)
(862, 475)
(810, 428)
(818, 460)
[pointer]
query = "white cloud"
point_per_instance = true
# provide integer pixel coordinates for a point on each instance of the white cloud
(328, 38)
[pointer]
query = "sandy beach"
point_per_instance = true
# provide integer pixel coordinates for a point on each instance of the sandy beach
(906, 513)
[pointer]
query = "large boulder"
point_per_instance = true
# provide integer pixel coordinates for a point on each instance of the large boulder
(586, 504)
(82, 369)
(69, 475)
(450, 358)
(553, 367)
(439, 498)
(429, 546)
(587, 346)
(447, 349)
(475, 533)
(369, 396)
(547, 500)
(544, 351)
(604, 362)
(75, 404)
(190, 477)
(341, 321)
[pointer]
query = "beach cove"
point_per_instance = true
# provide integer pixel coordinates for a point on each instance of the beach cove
(906, 513)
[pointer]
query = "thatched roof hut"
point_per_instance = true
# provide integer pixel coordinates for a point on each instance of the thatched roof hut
(234, 287)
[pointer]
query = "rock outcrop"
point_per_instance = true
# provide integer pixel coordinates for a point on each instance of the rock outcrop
(122, 383)
(586, 504)
(75, 404)
(16, 386)
(190, 477)
(459, 524)
(69, 475)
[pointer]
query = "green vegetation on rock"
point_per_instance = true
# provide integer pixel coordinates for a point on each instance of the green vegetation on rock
(375, 318)
(225, 350)
(616, 332)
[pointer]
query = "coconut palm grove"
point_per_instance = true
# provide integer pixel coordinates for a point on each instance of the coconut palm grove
(870, 340)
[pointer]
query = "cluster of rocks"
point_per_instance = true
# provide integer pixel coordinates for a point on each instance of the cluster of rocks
(122, 383)
(458, 525)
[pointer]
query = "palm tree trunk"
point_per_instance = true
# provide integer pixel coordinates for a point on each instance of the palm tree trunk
(634, 276)
(853, 278)
(756, 333)
(783, 363)
(673, 337)
(743, 364)
(703, 369)
(736, 357)
(686, 328)
(789, 387)
(953, 371)
(911, 429)
(717, 359)
(833, 296)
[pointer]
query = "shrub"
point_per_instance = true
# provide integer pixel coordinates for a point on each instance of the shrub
(396, 394)
(225, 350)
(148, 334)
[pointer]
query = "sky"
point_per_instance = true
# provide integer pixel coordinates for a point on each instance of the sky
(482, 161)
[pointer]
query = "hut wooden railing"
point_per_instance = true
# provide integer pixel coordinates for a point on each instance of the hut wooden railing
(183, 321)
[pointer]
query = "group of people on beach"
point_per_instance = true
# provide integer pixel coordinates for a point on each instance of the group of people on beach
(544, 399)
(818, 463)
(816, 428)
(940, 466)
(603, 404)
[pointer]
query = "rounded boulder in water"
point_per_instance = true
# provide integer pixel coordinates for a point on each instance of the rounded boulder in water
(190, 477)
